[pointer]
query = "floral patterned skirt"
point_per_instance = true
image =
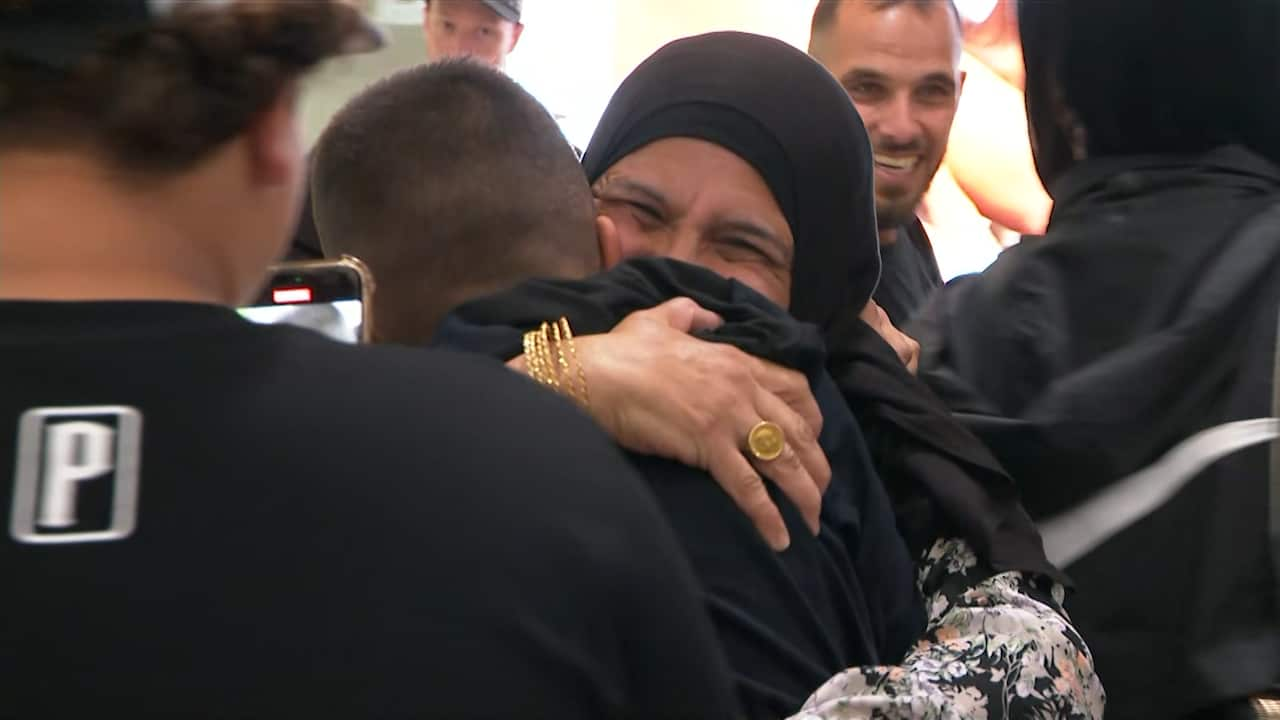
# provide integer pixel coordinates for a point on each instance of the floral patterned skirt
(996, 646)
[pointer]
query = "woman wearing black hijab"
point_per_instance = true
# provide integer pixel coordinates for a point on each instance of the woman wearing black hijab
(700, 158)
(729, 90)
(740, 154)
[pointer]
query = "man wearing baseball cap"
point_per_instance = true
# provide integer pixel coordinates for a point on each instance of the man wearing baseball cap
(210, 518)
(486, 30)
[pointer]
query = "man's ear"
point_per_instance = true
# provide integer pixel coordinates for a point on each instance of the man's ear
(964, 75)
(610, 241)
(515, 36)
(274, 141)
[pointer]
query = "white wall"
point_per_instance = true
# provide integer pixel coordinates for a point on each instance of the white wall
(573, 53)
(338, 80)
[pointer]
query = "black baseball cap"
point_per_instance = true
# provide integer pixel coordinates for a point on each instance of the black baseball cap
(59, 33)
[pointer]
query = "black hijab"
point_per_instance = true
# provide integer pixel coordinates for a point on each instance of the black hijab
(1149, 77)
(787, 117)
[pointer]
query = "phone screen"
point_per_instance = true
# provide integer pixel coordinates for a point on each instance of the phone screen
(325, 297)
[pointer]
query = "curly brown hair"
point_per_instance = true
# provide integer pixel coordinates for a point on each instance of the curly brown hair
(158, 100)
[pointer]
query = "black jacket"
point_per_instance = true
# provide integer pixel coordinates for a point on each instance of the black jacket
(1145, 315)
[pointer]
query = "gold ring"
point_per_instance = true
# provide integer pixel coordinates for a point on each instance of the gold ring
(766, 440)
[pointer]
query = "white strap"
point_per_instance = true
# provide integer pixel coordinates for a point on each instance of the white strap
(1275, 465)
(1074, 533)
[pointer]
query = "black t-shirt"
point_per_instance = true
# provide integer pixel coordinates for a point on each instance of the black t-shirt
(320, 531)
(908, 274)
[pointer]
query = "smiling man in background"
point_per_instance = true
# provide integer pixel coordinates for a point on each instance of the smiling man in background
(899, 60)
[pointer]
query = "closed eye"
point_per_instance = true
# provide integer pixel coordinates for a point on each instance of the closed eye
(647, 212)
(646, 205)
(747, 249)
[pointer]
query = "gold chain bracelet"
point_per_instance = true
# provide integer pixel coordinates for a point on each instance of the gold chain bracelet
(551, 356)
(573, 354)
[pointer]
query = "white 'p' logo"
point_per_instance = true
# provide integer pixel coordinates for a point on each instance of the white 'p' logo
(64, 450)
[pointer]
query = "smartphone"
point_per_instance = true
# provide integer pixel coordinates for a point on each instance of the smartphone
(332, 297)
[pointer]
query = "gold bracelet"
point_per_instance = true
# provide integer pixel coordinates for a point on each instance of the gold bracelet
(536, 356)
(562, 369)
(585, 399)
(546, 361)
(554, 367)
(564, 336)
(529, 360)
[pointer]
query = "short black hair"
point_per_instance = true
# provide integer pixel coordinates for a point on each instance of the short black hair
(824, 16)
(450, 181)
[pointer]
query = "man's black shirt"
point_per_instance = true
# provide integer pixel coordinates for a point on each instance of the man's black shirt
(908, 274)
(321, 530)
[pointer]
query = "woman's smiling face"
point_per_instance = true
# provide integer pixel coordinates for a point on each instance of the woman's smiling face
(695, 201)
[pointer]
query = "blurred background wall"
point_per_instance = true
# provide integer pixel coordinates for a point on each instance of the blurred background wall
(573, 52)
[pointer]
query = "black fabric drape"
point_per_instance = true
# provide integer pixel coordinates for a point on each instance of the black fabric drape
(791, 620)
(942, 479)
